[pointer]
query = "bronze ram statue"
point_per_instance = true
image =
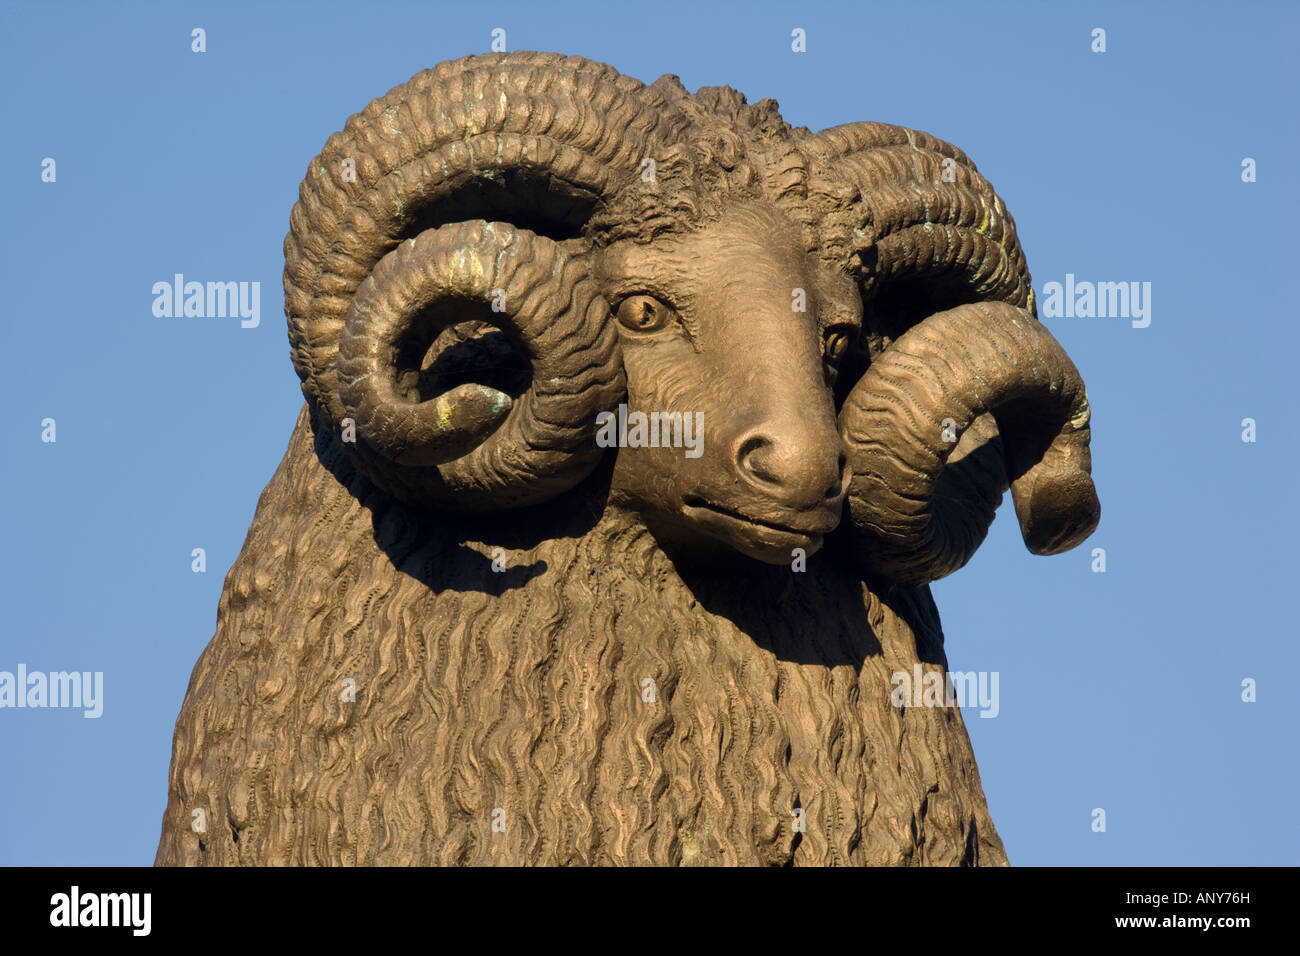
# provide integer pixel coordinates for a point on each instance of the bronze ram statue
(463, 629)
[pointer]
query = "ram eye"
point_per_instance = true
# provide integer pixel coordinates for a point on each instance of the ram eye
(644, 313)
(836, 344)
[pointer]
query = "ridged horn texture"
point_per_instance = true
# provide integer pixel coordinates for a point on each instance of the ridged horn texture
(958, 365)
(442, 148)
(942, 241)
(932, 215)
(550, 309)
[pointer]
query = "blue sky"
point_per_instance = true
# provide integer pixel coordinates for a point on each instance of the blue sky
(1119, 690)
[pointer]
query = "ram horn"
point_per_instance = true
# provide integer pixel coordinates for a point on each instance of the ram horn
(492, 451)
(530, 138)
(940, 235)
(902, 421)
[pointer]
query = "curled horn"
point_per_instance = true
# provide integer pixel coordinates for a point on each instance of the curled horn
(375, 261)
(970, 393)
(493, 452)
(958, 366)
(938, 228)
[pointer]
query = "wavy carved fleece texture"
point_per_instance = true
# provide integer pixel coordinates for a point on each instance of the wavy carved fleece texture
(523, 691)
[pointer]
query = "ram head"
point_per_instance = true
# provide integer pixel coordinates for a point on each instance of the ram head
(489, 260)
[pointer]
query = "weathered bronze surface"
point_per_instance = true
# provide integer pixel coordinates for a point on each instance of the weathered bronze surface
(482, 616)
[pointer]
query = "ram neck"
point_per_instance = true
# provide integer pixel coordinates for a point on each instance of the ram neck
(385, 688)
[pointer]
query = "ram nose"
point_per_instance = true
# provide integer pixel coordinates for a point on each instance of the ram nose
(797, 466)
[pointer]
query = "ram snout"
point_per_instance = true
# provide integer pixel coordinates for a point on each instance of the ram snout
(777, 483)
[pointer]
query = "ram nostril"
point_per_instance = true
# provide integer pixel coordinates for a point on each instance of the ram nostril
(754, 459)
(792, 469)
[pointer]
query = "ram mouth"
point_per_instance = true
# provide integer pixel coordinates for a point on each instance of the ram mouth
(693, 506)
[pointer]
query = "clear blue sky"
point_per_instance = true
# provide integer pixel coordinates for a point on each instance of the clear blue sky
(1119, 690)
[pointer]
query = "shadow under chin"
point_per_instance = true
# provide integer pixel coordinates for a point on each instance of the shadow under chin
(433, 547)
(816, 614)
